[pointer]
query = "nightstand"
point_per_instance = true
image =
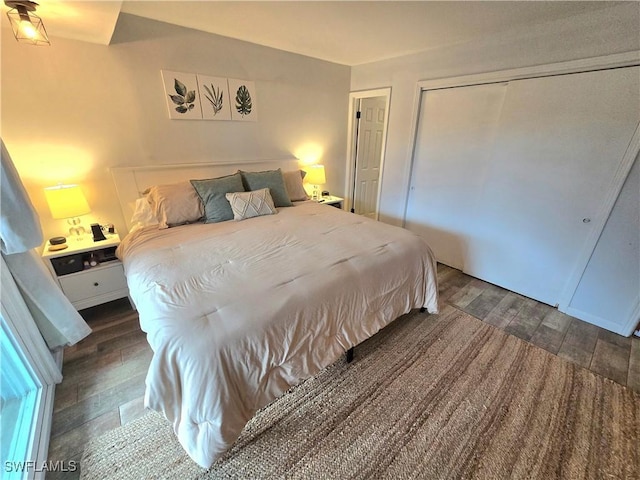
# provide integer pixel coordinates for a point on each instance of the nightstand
(84, 284)
(333, 201)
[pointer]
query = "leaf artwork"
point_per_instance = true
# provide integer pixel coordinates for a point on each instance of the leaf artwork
(215, 98)
(243, 101)
(184, 98)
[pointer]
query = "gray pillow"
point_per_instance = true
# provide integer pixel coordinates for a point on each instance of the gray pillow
(212, 192)
(271, 179)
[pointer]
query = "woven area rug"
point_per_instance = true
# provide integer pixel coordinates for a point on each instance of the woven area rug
(430, 396)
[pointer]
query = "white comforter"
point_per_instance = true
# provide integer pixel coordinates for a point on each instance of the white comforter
(238, 312)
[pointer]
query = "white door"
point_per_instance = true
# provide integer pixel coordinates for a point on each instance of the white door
(519, 205)
(608, 293)
(449, 173)
(368, 155)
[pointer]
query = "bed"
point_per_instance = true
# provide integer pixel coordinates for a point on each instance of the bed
(237, 312)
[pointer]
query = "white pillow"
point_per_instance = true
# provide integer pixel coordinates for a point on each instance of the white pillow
(251, 204)
(175, 204)
(143, 214)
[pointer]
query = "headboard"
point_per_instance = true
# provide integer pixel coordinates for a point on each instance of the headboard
(130, 182)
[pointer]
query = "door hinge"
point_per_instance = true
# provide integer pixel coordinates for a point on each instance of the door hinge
(357, 114)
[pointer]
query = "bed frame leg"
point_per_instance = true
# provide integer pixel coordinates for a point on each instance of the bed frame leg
(350, 355)
(422, 309)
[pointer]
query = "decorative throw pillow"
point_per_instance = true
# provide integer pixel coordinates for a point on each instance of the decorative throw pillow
(174, 204)
(212, 192)
(271, 179)
(251, 204)
(293, 183)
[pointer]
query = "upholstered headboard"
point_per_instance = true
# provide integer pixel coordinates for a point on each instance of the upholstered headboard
(130, 182)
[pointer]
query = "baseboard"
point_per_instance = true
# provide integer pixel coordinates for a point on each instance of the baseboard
(42, 432)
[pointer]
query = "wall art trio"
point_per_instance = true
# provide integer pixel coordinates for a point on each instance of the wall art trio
(192, 96)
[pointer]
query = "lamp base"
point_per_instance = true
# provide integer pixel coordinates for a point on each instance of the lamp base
(76, 230)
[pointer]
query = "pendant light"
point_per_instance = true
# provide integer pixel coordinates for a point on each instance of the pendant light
(27, 26)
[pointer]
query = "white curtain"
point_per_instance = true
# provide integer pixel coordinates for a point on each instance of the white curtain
(59, 323)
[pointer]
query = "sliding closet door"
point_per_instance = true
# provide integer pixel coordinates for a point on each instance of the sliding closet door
(559, 144)
(536, 189)
(454, 145)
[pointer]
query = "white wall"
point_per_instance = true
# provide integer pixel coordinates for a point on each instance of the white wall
(602, 32)
(72, 110)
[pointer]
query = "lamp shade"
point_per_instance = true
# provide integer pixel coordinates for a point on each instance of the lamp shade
(66, 201)
(315, 175)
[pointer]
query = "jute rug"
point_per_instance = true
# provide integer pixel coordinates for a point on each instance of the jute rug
(431, 396)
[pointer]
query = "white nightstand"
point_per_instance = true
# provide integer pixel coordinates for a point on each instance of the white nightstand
(83, 284)
(331, 200)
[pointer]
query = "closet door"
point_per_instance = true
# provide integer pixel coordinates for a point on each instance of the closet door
(609, 291)
(453, 151)
(537, 189)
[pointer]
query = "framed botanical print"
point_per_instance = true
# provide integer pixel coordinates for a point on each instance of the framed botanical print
(181, 90)
(243, 100)
(214, 98)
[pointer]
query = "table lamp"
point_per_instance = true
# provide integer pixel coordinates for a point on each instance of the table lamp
(316, 177)
(68, 201)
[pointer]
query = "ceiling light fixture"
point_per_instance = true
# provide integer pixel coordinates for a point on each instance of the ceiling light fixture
(27, 26)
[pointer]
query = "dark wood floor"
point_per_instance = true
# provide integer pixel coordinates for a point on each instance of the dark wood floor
(103, 384)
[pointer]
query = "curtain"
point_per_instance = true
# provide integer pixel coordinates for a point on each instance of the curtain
(20, 232)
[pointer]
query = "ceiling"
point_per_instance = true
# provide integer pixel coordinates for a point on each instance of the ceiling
(345, 32)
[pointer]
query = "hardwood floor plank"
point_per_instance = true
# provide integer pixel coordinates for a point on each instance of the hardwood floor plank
(506, 310)
(106, 314)
(468, 293)
(72, 442)
(92, 407)
(575, 354)
(89, 365)
(633, 376)
(135, 349)
(94, 384)
(443, 270)
(122, 341)
(614, 338)
(528, 319)
(68, 475)
(486, 301)
(548, 338)
(108, 333)
(74, 353)
(66, 394)
(611, 361)
(452, 285)
(582, 335)
(557, 321)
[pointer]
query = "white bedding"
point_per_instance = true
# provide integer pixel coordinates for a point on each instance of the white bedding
(238, 312)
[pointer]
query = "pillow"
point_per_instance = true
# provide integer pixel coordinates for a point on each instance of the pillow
(293, 184)
(143, 214)
(212, 193)
(251, 204)
(175, 204)
(271, 179)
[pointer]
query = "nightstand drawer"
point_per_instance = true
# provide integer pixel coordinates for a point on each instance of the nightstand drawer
(91, 283)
